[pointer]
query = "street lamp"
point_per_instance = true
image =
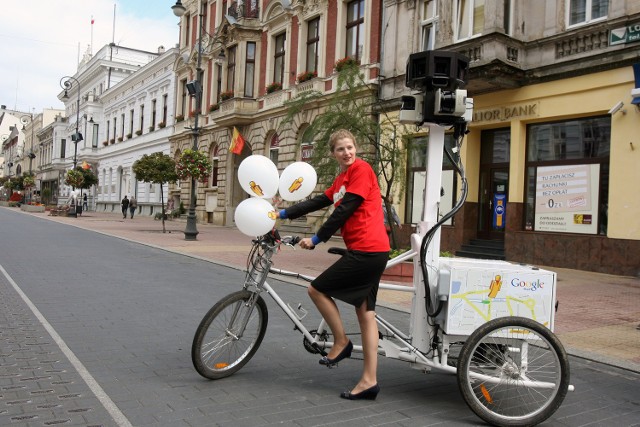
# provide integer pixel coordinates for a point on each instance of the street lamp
(195, 89)
(67, 83)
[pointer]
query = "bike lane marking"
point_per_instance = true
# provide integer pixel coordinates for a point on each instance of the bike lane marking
(113, 410)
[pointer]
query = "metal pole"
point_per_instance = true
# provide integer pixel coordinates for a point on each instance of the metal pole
(191, 231)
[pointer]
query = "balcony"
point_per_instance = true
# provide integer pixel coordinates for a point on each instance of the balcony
(248, 9)
(308, 86)
(275, 99)
(239, 111)
(499, 62)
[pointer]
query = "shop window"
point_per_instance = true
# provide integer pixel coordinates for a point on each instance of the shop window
(416, 176)
(470, 18)
(567, 176)
(586, 11)
(355, 29)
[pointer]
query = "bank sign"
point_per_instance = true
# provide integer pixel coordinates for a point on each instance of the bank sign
(628, 34)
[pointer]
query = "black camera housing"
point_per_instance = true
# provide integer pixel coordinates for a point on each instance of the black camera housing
(440, 77)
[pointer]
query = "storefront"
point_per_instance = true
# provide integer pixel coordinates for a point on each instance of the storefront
(555, 175)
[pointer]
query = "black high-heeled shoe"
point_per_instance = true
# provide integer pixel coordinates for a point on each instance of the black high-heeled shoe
(346, 352)
(369, 394)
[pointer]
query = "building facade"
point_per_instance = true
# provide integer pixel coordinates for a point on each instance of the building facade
(138, 119)
(547, 145)
(273, 51)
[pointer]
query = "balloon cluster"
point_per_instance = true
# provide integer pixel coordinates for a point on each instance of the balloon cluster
(258, 176)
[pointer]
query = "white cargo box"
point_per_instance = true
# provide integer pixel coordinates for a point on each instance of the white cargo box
(481, 290)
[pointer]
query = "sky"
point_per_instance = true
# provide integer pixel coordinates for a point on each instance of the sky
(41, 41)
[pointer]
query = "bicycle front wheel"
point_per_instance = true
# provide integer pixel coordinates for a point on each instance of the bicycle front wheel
(229, 335)
(513, 371)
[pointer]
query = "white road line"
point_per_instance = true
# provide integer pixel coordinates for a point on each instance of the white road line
(106, 401)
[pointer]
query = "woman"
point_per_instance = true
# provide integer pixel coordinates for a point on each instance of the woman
(355, 277)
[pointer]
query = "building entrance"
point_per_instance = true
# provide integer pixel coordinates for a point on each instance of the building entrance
(494, 184)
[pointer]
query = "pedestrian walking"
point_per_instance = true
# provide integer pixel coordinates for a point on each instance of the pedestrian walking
(133, 205)
(85, 205)
(125, 206)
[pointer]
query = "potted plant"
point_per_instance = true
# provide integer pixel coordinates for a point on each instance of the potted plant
(179, 118)
(152, 128)
(139, 132)
(226, 95)
(105, 143)
(162, 125)
(193, 164)
(275, 86)
(129, 135)
(120, 139)
(214, 107)
(112, 141)
(346, 62)
(74, 178)
(307, 75)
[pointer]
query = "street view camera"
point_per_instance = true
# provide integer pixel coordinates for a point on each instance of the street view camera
(437, 79)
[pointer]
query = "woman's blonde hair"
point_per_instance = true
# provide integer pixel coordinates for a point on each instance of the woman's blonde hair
(340, 134)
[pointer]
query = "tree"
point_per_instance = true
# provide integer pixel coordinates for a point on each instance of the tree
(157, 168)
(354, 106)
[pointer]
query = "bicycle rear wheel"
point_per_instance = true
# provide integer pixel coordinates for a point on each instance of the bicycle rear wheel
(513, 371)
(229, 335)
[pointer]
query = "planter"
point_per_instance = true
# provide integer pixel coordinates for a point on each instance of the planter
(402, 272)
(32, 208)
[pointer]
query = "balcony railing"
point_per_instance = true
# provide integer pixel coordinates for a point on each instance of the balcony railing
(246, 9)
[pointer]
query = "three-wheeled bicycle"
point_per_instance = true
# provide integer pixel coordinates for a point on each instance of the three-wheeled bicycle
(511, 369)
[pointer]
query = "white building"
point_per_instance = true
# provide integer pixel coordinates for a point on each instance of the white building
(138, 119)
(82, 94)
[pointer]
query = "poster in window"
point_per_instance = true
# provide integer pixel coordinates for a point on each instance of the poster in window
(567, 198)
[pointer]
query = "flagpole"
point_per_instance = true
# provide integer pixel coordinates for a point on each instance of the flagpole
(91, 47)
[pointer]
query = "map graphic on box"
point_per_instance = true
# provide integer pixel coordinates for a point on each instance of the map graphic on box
(482, 290)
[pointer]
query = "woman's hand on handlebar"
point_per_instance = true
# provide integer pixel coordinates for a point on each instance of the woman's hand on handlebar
(306, 243)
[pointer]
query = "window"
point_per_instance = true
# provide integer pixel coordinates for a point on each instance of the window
(131, 122)
(355, 29)
(153, 113)
(122, 125)
(231, 68)
(215, 165)
(428, 20)
(94, 139)
(278, 58)
(250, 68)
(416, 179)
(141, 118)
(567, 176)
(274, 148)
(218, 82)
(183, 100)
(313, 41)
(108, 130)
(63, 148)
(585, 11)
(187, 29)
(164, 108)
(470, 18)
(115, 127)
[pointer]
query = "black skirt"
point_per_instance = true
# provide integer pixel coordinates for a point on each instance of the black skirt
(354, 278)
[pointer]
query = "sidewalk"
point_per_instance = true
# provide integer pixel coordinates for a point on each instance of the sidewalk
(598, 316)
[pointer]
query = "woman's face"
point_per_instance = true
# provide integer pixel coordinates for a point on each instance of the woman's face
(345, 152)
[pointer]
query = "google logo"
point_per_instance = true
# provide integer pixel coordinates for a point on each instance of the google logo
(527, 286)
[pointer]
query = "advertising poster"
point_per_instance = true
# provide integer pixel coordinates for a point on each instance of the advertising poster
(567, 199)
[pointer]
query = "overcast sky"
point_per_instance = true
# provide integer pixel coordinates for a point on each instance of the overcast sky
(40, 41)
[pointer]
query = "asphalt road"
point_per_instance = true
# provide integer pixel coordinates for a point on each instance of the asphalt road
(107, 338)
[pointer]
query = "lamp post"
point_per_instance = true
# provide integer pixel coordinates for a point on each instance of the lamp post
(195, 89)
(66, 83)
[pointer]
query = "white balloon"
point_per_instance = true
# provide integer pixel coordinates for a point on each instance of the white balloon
(297, 181)
(258, 176)
(253, 217)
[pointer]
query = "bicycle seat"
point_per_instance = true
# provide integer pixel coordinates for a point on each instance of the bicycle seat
(337, 251)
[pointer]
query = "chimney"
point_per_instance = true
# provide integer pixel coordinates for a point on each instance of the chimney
(161, 49)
